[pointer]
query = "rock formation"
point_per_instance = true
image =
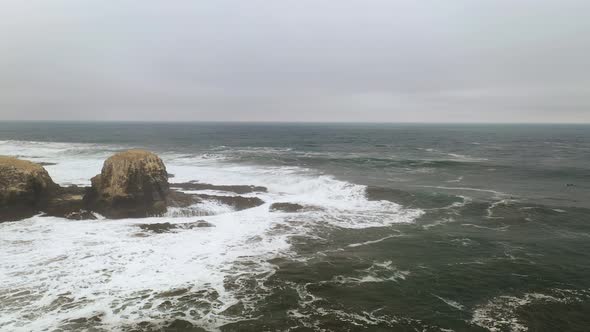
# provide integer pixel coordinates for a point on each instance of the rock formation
(25, 187)
(285, 207)
(133, 183)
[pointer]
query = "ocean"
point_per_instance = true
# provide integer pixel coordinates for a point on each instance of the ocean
(410, 227)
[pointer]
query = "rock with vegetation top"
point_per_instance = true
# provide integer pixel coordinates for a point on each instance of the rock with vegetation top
(25, 187)
(131, 184)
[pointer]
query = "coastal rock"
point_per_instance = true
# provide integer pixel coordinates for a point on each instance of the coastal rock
(25, 187)
(238, 189)
(168, 227)
(81, 215)
(237, 202)
(67, 202)
(133, 183)
(285, 207)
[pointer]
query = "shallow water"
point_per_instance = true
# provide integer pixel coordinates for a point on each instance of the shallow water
(409, 227)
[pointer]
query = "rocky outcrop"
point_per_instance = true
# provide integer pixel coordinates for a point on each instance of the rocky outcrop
(133, 183)
(285, 207)
(25, 187)
(168, 227)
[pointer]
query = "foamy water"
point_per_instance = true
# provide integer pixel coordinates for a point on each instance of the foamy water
(55, 270)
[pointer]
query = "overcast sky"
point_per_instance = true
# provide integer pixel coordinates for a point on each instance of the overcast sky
(300, 60)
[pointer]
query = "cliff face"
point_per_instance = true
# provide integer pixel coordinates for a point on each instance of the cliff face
(133, 183)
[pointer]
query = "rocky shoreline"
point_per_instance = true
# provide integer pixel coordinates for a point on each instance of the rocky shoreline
(132, 184)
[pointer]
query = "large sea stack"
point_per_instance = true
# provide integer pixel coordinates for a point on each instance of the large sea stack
(132, 184)
(25, 187)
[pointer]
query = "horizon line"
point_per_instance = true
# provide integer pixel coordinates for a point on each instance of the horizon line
(299, 122)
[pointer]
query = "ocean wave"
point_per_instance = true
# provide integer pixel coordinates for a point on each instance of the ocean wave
(377, 272)
(111, 273)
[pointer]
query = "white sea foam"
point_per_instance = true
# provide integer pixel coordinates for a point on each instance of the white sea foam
(500, 314)
(378, 272)
(353, 245)
(53, 270)
(451, 303)
(462, 157)
(496, 194)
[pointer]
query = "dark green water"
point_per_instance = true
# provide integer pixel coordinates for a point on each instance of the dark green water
(502, 241)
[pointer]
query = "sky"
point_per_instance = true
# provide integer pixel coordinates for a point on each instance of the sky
(300, 60)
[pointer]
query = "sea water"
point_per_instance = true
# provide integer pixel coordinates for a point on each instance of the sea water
(407, 227)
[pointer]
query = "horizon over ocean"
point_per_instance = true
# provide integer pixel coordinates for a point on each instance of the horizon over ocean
(406, 226)
(385, 123)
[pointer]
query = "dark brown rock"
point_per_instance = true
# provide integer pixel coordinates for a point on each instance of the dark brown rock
(237, 202)
(167, 227)
(67, 201)
(285, 207)
(180, 199)
(238, 189)
(81, 215)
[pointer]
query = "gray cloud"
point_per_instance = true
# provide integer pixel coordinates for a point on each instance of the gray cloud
(351, 60)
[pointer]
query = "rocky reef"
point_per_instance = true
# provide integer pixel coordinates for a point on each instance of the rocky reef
(131, 184)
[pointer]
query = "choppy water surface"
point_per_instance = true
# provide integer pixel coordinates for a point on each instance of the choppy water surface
(411, 228)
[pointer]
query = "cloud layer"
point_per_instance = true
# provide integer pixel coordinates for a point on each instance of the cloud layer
(300, 60)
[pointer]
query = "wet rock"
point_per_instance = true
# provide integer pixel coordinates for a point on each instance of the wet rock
(133, 183)
(68, 201)
(285, 207)
(237, 202)
(159, 227)
(25, 187)
(180, 199)
(168, 227)
(81, 215)
(202, 223)
(238, 189)
(43, 163)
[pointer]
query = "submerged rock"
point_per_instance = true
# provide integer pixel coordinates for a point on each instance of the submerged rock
(158, 227)
(81, 215)
(25, 187)
(166, 227)
(237, 202)
(285, 207)
(133, 183)
(238, 189)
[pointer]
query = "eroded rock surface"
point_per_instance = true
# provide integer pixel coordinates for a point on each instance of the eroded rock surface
(25, 187)
(133, 183)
